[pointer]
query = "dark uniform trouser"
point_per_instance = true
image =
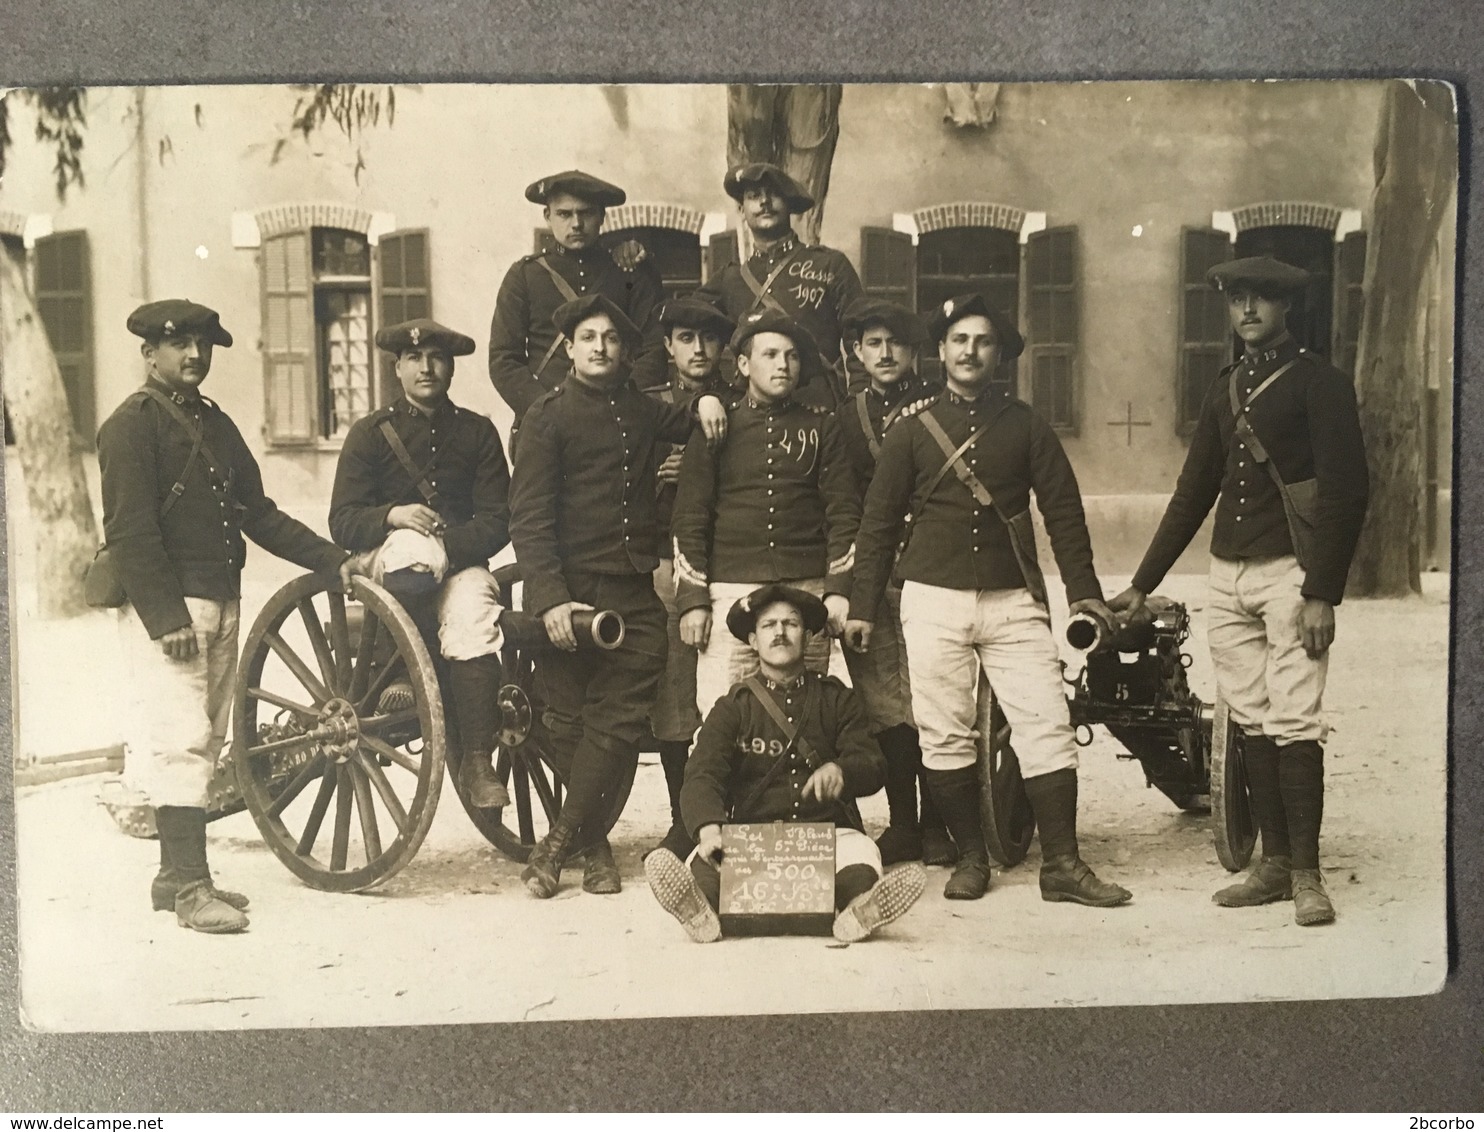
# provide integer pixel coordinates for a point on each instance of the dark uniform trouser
(597, 702)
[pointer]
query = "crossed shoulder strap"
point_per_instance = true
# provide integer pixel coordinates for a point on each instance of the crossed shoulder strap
(419, 476)
(197, 432)
(762, 292)
(790, 732)
(568, 293)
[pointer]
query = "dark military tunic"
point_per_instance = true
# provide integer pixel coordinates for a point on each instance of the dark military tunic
(956, 543)
(739, 743)
(1308, 422)
(464, 463)
(814, 289)
(582, 497)
(677, 389)
(198, 549)
(522, 334)
(863, 440)
(776, 503)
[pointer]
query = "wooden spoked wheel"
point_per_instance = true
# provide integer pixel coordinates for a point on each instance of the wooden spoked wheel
(1231, 813)
(339, 770)
(1005, 809)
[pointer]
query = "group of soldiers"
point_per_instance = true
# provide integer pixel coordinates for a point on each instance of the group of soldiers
(740, 516)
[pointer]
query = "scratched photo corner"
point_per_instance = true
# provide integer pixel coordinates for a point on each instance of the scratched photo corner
(490, 553)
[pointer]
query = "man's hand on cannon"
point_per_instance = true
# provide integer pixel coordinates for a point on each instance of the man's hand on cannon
(669, 471)
(1093, 607)
(1126, 605)
(1316, 626)
(558, 622)
(180, 644)
(712, 415)
(827, 783)
(708, 843)
(695, 627)
(417, 517)
(856, 635)
(838, 607)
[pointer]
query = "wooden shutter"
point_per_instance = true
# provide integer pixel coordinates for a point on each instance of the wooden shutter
(721, 251)
(1053, 325)
(889, 266)
(290, 382)
(64, 299)
(1349, 299)
(404, 291)
(1205, 328)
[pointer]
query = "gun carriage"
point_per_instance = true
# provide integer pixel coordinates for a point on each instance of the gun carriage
(1135, 683)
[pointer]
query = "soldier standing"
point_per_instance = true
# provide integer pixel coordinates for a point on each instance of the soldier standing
(584, 524)
(973, 595)
(811, 285)
(777, 504)
(424, 483)
(884, 337)
(1278, 451)
(525, 351)
(695, 335)
(180, 489)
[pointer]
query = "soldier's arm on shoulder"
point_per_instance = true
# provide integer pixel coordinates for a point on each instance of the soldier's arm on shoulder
(509, 363)
(127, 452)
(884, 514)
(359, 501)
(692, 523)
(857, 753)
(705, 796)
(476, 541)
(535, 487)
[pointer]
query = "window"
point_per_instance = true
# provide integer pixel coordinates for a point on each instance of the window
(318, 325)
(1205, 328)
(1349, 299)
(1310, 320)
(1053, 325)
(676, 254)
(64, 300)
(955, 261)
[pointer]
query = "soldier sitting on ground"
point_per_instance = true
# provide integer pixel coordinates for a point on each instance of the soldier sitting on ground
(785, 745)
(425, 485)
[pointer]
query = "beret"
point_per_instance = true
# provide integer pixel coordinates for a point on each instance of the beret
(771, 321)
(742, 617)
(695, 314)
(584, 185)
(1262, 272)
(163, 317)
(867, 311)
(566, 317)
(423, 332)
(740, 177)
(1012, 345)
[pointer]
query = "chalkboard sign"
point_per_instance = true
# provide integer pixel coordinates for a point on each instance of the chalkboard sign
(778, 878)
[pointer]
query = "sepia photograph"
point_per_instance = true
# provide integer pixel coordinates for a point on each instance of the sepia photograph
(499, 553)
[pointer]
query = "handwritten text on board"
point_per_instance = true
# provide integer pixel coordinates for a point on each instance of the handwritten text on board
(778, 868)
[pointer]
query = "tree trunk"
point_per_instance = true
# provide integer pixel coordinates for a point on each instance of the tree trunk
(61, 515)
(1416, 163)
(794, 127)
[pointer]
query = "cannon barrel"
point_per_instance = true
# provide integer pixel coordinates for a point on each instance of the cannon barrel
(1092, 634)
(594, 628)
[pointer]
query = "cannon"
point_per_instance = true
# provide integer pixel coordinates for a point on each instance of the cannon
(1133, 682)
(341, 733)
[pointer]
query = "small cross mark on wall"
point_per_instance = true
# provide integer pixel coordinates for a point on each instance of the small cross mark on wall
(1129, 423)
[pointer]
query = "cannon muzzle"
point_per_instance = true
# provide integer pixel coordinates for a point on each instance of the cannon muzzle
(601, 629)
(1093, 635)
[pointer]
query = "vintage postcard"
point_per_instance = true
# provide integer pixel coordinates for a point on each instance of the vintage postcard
(497, 553)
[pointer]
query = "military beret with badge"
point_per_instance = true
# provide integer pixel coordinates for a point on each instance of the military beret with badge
(421, 333)
(567, 317)
(866, 312)
(165, 318)
(575, 182)
(1263, 274)
(695, 314)
(740, 178)
(1012, 345)
(772, 322)
(742, 617)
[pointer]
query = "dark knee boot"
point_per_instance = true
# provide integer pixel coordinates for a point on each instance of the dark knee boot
(1064, 875)
(474, 686)
(177, 829)
(902, 838)
(673, 756)
(1301, 779)
(543, 872)
(956, 793)
(198, 904)
(1269, 879)
(937, 846)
